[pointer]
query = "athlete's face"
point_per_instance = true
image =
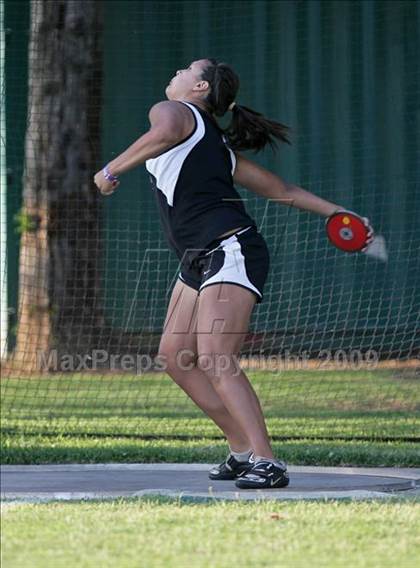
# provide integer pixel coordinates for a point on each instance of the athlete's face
(188, 82)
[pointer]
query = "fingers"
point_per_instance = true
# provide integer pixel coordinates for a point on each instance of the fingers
(367, 222)
(369, 227)
(369, 239)
(109, 188)
(105, 187)
(370, 234)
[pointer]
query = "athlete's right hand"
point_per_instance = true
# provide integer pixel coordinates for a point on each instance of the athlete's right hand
(105, 186)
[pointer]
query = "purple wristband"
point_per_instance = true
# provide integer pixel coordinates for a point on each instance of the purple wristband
(108, 175)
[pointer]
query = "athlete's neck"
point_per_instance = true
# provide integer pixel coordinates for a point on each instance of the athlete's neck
(197, 103)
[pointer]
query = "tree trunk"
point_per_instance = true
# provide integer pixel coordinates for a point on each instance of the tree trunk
(59, 293)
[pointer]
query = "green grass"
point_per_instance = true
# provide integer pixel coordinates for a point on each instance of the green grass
(44, 450)
(158, 532)
(328, 418)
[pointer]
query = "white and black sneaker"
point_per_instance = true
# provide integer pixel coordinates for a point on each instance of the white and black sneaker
(264, 475)
(231, 468)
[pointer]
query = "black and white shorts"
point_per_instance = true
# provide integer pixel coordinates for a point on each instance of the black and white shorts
(242, 259)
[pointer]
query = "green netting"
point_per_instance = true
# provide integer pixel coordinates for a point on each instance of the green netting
(87, 280)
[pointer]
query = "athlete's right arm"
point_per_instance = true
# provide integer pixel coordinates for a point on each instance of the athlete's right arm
(170, 122)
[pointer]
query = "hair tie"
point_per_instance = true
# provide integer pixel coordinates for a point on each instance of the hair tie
(232, 105)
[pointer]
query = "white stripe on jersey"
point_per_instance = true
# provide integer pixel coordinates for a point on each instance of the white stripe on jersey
(167, 167)
(232, 156)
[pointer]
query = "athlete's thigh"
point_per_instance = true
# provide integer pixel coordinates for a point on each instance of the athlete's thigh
(224, 311)
(179, 329)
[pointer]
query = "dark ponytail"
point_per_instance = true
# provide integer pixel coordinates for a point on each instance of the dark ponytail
(248, 130)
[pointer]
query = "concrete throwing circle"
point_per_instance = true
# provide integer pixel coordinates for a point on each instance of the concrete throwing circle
(190, 481)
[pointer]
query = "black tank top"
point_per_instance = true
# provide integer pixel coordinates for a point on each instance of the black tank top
(194, 188)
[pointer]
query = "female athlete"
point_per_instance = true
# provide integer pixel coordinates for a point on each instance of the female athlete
(193, 165)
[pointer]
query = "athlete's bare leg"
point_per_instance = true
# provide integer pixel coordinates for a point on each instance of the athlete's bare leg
(178, 347)
(223, 318)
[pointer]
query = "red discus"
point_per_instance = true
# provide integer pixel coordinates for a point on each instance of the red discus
(347, 231)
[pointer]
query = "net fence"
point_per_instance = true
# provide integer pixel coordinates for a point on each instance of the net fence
(333, 349)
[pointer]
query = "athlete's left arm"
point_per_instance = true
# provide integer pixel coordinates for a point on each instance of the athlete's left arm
(263, 182)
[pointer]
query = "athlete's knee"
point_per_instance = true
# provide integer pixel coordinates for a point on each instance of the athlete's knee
(218, 366)
(177, 360)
